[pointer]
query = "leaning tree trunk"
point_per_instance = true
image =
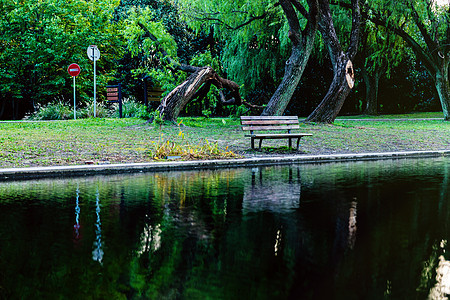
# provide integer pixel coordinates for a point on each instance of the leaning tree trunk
(292, 75)
(443, 89)
(343, 79)
(302, 46)
(197, 85)
(441, 81)
(328, 109)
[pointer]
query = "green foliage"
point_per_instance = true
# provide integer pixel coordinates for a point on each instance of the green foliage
(58, 110)
(204, 59)
(41, 38)
(251, 54)
(53, 111)
(135, 35)
(165, 147)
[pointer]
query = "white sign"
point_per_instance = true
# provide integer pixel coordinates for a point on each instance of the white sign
(93, 53)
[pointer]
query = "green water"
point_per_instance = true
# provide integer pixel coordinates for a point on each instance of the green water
(371, 230)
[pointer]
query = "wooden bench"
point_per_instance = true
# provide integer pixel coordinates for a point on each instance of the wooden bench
(260, 123)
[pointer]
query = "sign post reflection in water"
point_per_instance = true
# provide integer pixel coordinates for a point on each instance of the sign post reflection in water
(77, 215)
(97, 253)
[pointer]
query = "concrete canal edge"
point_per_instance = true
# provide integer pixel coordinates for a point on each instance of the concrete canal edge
(89, 170)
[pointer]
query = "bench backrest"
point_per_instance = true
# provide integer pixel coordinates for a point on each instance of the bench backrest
(255, 123)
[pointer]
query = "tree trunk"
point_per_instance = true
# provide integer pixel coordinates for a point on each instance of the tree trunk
(443, 89)
(197, 85)
(342, 83)
(302, 45)
(372, 86)
(292, 75)
(328, 109)
(372, 95)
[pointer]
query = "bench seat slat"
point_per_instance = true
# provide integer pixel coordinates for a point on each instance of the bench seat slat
(278, 135)
(269, 118)
(269, 122)
(281, 127)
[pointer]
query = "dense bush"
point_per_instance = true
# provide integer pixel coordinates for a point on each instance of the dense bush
(61, 111)
(130, 109)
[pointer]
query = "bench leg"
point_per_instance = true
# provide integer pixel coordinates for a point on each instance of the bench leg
(290, 143)
(260, 142)
(298, 142)
(253, 142)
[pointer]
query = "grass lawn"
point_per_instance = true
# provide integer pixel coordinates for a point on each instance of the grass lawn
(73, 142)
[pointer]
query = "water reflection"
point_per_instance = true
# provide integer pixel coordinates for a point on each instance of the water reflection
(150, 239)
(271, 190)
(97, 253)
(363, 231)
(442, 287)
(77, 214)
(352, 225)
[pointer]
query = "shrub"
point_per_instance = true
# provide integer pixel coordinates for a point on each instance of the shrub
(60, 111)
(130, 109)
(88, 111)
(53, 111)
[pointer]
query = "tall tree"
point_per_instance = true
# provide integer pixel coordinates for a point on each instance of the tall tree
(302, 46)
(380, 51)
(343, 78)
(425, 27)
(257, 34)
(39, 39)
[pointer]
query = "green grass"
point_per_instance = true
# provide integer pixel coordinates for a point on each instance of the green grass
(421, 115)
(131, 140)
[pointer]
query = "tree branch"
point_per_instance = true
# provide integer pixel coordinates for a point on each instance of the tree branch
(356, 26)
(431, 45)
(300, 8)
(229, 27)
(294, 24)
(424, 56)
(177, 65)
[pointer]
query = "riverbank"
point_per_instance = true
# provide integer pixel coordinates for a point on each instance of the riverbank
(8, 174)
(131, 141)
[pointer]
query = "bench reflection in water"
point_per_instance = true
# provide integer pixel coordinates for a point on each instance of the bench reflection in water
(272, 190)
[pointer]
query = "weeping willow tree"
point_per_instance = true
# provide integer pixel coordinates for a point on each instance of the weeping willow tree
(380, 50)
(341, 60)
(261, 38)
(424, 26)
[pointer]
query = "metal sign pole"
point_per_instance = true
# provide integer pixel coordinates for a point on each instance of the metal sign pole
(94, 54)
(74, 102)
(95, 87)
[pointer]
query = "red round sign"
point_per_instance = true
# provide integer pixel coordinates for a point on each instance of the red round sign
(74, 70)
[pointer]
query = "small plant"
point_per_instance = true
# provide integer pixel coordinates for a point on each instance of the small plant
(207, 113)
(157, 119)
(88, 111)
(239, 111)
(164, 148)
(53, 111)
